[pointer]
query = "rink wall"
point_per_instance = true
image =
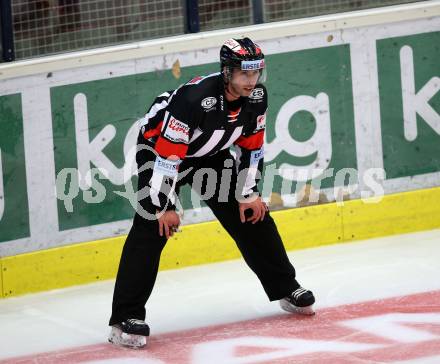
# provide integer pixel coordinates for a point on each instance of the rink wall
(207, 242)
(371, 83)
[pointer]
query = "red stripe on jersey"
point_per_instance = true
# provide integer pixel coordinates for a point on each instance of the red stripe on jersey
(234, 113)
(166, 148)
(153, 132)
(251, 142)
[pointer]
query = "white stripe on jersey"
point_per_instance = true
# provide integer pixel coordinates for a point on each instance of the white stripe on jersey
(164, 94)
(250, 180)
(196, 134)
(165, 120)
(155, 183)
(210, 144)
(252, 171)
(235, 135)
(238, 154)
(163, 168)
(154, 110)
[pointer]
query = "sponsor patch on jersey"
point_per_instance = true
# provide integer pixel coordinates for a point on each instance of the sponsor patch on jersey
(208, 102)
(257, 94)
(177, 131)
(256, 155)
(261, 122)
(167, 167)
(252, 65)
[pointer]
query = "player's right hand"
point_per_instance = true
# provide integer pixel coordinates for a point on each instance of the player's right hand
(169, 222)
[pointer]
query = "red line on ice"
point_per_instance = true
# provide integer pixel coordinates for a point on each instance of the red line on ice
(326, 327)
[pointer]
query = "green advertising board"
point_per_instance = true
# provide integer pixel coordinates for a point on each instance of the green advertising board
(323, 131)
(409, 84)
(14, 211)
(314, 124)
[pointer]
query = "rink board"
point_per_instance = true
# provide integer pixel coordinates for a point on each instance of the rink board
(61, 114)
(207, 242)
(359, 60)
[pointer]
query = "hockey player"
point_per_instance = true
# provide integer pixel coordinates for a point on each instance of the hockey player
(187, 129)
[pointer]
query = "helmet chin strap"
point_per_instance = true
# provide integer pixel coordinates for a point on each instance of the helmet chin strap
(227, 78)
(227, 74)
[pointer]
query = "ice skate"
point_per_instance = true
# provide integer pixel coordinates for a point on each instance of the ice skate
(131, 333)
(300, 301)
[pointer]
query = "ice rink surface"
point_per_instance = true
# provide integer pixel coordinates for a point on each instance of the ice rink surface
(378, 301)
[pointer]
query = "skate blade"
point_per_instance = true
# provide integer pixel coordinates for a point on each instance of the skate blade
(287, 306)
(118, 337)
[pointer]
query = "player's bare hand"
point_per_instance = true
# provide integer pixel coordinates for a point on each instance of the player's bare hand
(258, 207)
(169, 222)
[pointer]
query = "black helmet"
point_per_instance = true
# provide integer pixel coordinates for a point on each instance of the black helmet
(240, 53)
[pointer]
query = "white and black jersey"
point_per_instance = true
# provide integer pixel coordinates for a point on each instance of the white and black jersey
(195, 120)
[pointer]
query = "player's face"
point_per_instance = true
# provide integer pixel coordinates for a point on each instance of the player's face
(243, 82)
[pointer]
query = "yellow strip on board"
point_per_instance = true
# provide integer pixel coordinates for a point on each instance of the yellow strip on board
(61, 267)
(1, 279)
(208, 242)
(395, 214)
(310, 226)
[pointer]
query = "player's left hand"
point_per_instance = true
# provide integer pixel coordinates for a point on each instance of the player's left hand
(258, 207)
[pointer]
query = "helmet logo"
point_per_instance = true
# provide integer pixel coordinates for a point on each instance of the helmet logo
(208, 102)
(232, 44)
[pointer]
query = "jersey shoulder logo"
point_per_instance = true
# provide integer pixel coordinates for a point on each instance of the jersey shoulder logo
(261, 123)
(208, 102)
(257, 93)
